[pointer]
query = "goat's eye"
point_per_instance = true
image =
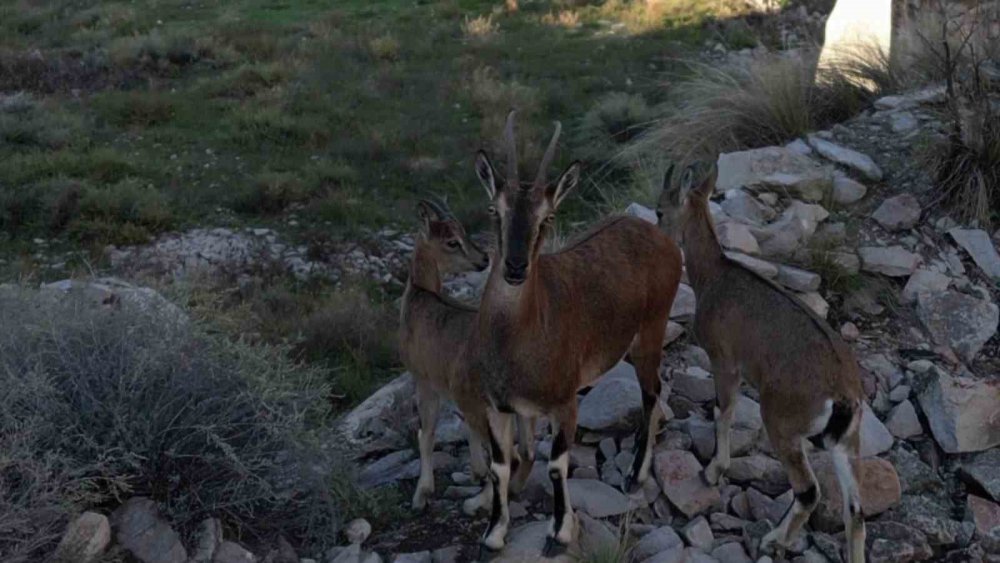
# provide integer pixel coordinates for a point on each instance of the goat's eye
(454, 244)
(492, 210)
(550, 219)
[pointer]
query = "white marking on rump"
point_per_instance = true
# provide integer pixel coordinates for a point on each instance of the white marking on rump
(819, 423)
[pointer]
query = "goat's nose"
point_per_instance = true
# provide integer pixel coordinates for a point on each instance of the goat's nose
(515, 267)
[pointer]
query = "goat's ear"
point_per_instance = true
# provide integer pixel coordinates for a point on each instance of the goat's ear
(706, 188)
(487, 175)
(427, 214)
(668, 189)
(566, 183)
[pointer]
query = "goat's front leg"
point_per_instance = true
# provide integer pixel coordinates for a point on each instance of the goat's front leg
(428, 406)
(526, 452)
(727, 388)
(501, 445)
(563, 529)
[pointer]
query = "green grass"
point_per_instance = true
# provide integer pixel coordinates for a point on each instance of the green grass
(210, 102)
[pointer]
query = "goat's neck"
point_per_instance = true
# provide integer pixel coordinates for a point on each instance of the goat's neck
(516, 305)
(424, 272)
(703, 254)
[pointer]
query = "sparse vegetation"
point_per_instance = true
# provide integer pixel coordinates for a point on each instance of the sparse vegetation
(101, 405)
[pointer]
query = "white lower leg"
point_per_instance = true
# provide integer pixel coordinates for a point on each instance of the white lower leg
(647, 456)
(480, 501)
(498, 530)
(854, 522)
(425, 484)
(720, 461)
(563, 526)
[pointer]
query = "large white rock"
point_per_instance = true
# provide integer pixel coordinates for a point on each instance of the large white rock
(847, 157)
(857, 29)
(959, 321)
(978, 244)
(642, 212)
(847, 191)
(742, 207)
(963, 413)
(797, 279)
(875, 437)
(892, 261)
(775, 168)
(85, 539)
(903, 422)
(762, 267)
(736, 236)
(923, 282)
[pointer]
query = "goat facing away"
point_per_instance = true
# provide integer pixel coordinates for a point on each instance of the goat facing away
(433, 331)
(806, 375)
(550, 324)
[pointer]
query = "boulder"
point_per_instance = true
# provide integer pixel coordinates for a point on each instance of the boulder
(660, 540)
(985, 514)
(915, 476)
(744, 208)
(679, 475)
(695, 384)
(736, 236)
(142, 532)
(903, 421)
(963, 413)
(526, 542)
(847, 191)
(922, 282)
(931, 517)
(698, 534)
(961, 322)
(368, 423)
(596, 498)
(111, 292)
(614, 401)
(893, 261)
(815, 302)
(85, 539)
(642, 212)
(846, 157)
(982, 250)
(880, 490)
(774, 167)
(898, 213)
(759, 471)
(983, 471)
(684, 303)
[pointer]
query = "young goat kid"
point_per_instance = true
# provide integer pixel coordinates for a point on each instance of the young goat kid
(806, 375)
(550, 324)
(433, 332)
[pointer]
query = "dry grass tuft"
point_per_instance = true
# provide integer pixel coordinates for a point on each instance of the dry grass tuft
(480, 28)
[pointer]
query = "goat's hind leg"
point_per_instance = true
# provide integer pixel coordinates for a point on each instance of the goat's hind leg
(428, 407)
(646, 354)
(727, 388)
(846, 464)
(806, 488)
(479, 429)
(525, 451)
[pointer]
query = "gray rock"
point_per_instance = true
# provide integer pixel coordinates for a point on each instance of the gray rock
(695, 384)
(596, 498)
(814, 301)
(608, 448)
(525, 544)
(416, 557)
(232, 552)
(931, 518)
(208, 537)
(847, 191)
(903, 122)
(736, 236)
(85, 539)
(982, 250)
(367, 423)
(684, 303)
(899, 393)
(774, 167)
(846, 261)
(614, 401)
(846, 157)
(875, 437)
(915, 476)
(898, 213)
(798, 280)
(387, 469)
(659, 540)
(903, 421)
(924, 282)
(731, 552)
(583, 456)
(759, 471)
(679, 475)
(959, 321)
(892, 542)
(763, 507)
(930, 95)
(746, 209)
(358, 530)
(140, 530)
(596, 536)
(880, 490)
(985, 514)
(761, 267)
(849, 331)
(446, 554)
(962, 412)
(984, 471)
(893, 261)
(111, 292)
(642, 212)
(699, 534)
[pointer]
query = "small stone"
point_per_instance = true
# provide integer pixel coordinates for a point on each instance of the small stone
(759, 471)
(736, 236)
(984, 471)
(847, 157)
(684, 303)
(657, 541)
(892, 542)
(847, 191)
(232, 552)
(699, 534)
(849, 331)
(903, 122)
(898, 213)
(608, 448)
(761, 267)
(357, 531)
(416, 557)
(776, 167)
(982, 250)
(985, 514)
(915, 476)
(446, 554)
(893, 261)
(903, 421)
(140, 530)
(679, 475)
(85, 539)
(815, 302)
(695, 384)
(208, 538)
(642, 212)
(797, 279)
(596, 498)
(875, 437)
(924, 282)
(731, 552)
(899, 393)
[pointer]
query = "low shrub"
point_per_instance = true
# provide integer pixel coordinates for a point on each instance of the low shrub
(100, 405)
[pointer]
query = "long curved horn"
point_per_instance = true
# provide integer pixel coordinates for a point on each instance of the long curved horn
(510, 141)
(439, 206)
(550, 153)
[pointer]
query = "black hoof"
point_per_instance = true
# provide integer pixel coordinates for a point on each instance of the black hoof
(553, 548)
(486, 553)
